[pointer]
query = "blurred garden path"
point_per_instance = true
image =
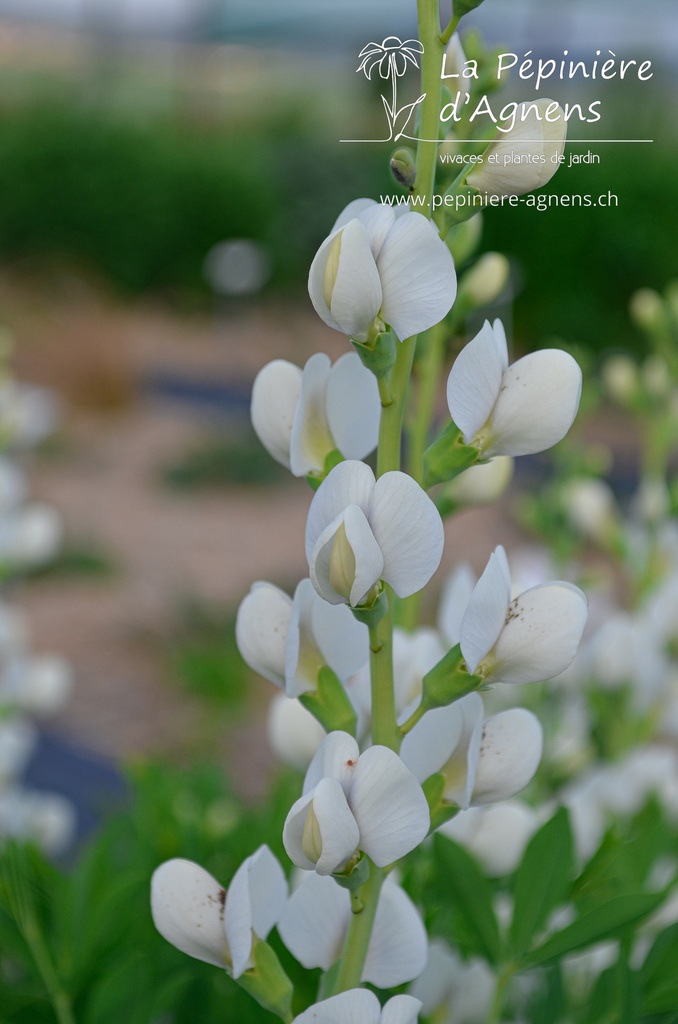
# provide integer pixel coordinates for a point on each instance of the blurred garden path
(165, 546)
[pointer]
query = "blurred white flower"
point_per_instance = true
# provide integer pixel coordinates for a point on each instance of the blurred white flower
(379, 269)
(30, 535)
(512, 410)
(482, 760)
(36, 685)
(484, 282)
(591, 508)
(293, 733)
(465, 988)
(534, 636)
(360, 531)
(301, 416)
(316, 919)
(358, 1006)
(47, 819)
(192, 911)
(353, 801)
(497, 835)
(17, 742)
(481, 484)
(288, 640)
(527, 156)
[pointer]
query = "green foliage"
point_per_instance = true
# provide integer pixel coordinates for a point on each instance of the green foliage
(218, 463)
(463, 898)
(203, 655)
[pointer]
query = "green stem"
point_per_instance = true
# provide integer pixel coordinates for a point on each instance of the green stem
(59, 999)
(431, 67)
(359, 933)
(450, 29)
(428, 369)
(415, 717)
(384, 722)
(503, 981)
(393, 395)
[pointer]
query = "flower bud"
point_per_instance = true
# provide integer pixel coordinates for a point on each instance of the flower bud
(656, 376)
(646, 309)
(620, 378)
(403, 167)
(519, 163)
(486, 279)
(455, 58)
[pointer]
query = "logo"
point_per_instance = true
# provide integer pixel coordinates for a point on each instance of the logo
(390, 60)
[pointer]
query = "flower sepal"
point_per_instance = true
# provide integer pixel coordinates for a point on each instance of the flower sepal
(329, 703)
(267, 982)
(448, 681)
(332, 459)
(440, 810)
(462, 7)
(371, 614)
(447, 457)
(465, 207)
(378, 354)
(354, 875)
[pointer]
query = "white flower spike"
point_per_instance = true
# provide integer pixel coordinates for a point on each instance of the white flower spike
(301, 416)
(361, 530)
(353, 801)
(526, 157)
(512, 410)
(192, 911)
(287, 640)
(532, 637)
(378, 269)
(316, 920)
(358, 1006)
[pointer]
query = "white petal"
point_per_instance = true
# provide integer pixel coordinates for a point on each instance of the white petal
(418, 281)
(400, 1010)
(261, 627)
(275, 396)
(497, 835)
(475, 380)
(542, 634)
(349, 483)
(303, 659)
(414, 654)
(389, 805)
(510, 753)
(254, 902)
(311, 440)
(484, 618)
(293, 733)
(336, 758)
(409, 531)
(353, 407)
(398, 946)
(357, 292)
(365, 560)
(336, 827)
(537, 405)
(358, 1006)
(454, 602)
(534, 136)
(341, 638)
(355, 208)
(378, 220)
(314, 923)
(187, 904)
(433, 741)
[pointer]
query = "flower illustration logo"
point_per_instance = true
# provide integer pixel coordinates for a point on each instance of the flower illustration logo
(392, 57)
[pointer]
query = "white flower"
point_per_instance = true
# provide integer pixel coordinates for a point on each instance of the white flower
(316, 919)
(480, 484)
(455, 58)
(38, 685)
(465, 987)
(358, 1006)
(496, 835)
(512, 410)
(287, 641)
(353, 801)
(482, 760)
(47, 819)
(360, 531)
(454, 601)
(591, 508)
(192, 911)
(293, 733)
(30, 535)
(534, 636)
(486, 279)
(17, 742)
(300, 416)
(526, 157)
(378, 269)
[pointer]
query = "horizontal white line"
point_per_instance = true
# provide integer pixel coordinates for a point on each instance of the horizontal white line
(518, 142)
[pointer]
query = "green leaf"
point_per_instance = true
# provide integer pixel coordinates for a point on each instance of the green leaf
(608, 921)
(615, 998)
(542, 880)
(659, 975)
(462, 885)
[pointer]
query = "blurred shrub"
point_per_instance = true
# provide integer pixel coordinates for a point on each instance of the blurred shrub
(217, 463)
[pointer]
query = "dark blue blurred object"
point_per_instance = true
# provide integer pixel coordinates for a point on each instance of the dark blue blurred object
(215, 396)
(92, 783)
